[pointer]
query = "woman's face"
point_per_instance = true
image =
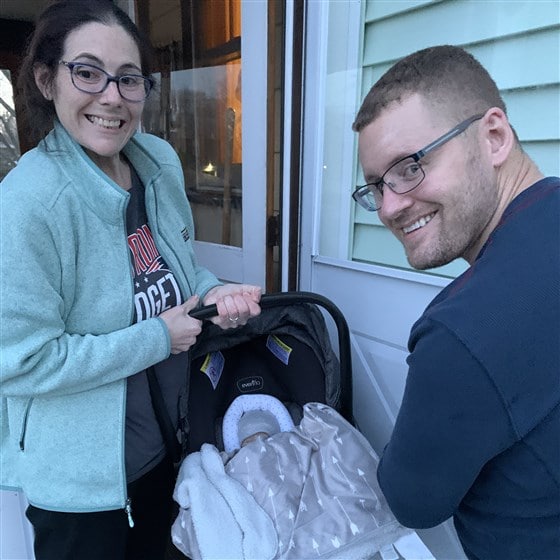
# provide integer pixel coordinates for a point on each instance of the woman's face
(102, 123)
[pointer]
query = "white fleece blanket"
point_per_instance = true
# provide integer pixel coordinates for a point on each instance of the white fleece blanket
(218, 518)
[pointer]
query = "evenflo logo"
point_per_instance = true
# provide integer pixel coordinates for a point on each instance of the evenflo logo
(250, 384)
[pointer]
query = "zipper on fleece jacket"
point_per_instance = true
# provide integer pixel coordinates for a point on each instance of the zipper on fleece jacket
(127, 500)
(24, 425)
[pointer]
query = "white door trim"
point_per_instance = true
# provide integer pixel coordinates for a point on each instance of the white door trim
(254, 53)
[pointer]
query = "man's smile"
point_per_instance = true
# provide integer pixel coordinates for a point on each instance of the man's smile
(418, 223)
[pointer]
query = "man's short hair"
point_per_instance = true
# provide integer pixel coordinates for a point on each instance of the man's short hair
(451, 80)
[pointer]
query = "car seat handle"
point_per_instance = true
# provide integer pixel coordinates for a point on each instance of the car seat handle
(280, 299)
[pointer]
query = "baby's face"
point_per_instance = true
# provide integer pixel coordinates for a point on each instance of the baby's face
(253, 437)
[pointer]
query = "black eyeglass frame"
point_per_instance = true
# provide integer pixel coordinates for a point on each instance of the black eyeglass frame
(362, 191)
(148, 81)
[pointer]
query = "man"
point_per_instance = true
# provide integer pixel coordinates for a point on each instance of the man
(478, 433)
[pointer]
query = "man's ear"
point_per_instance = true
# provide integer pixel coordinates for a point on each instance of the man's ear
(43, 80)
(499, 137)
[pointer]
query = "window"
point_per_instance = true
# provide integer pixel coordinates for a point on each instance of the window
(197, 105)
(518, 42)
(9, 143)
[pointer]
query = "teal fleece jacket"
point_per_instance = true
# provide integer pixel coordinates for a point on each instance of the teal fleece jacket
(68, 341)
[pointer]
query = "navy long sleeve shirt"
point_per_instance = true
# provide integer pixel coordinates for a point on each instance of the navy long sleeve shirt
(478, 432)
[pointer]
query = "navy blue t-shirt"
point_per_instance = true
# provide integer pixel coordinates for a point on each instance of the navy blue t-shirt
(478, 432)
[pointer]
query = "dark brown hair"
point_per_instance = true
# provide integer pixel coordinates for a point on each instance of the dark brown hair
(449, 78)
(46, 47)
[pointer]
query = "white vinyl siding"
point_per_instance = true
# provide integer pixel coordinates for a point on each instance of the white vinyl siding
(517, 42)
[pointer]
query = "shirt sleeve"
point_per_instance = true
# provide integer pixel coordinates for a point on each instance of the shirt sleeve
(451, 422)
(205, 281)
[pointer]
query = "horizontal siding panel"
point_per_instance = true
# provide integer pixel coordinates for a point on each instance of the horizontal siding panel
(546, 155)
(379, 9)
(522, 61)
(535, 112)
(514, 62)
(362, 216)
(370, 76)
(458, 22)
(376, 244)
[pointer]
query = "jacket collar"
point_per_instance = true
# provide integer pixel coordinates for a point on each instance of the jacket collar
(94, 187)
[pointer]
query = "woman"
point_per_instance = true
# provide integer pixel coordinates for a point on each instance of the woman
(98, 278)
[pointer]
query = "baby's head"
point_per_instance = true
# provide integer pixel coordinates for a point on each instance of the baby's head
(256, 423)
(253, 415)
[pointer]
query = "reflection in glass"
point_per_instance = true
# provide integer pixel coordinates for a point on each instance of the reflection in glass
(199, 112)
(197, 104)
(9, 143)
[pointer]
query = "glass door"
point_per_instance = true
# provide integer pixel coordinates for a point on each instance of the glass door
(9, 140)
(211, 63)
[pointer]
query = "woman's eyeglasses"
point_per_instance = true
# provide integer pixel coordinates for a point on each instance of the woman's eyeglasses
(91, 79)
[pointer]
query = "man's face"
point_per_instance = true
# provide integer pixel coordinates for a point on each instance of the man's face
(445, 217)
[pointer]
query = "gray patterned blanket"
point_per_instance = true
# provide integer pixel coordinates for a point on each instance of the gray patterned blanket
(311, 492)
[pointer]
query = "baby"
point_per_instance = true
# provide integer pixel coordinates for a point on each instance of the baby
(250, 417)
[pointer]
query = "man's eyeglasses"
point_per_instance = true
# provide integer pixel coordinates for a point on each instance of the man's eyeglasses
(91, 79)
(406, 173)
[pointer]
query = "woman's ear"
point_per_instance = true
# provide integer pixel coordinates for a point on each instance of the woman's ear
(499, 137)
(43, 80)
